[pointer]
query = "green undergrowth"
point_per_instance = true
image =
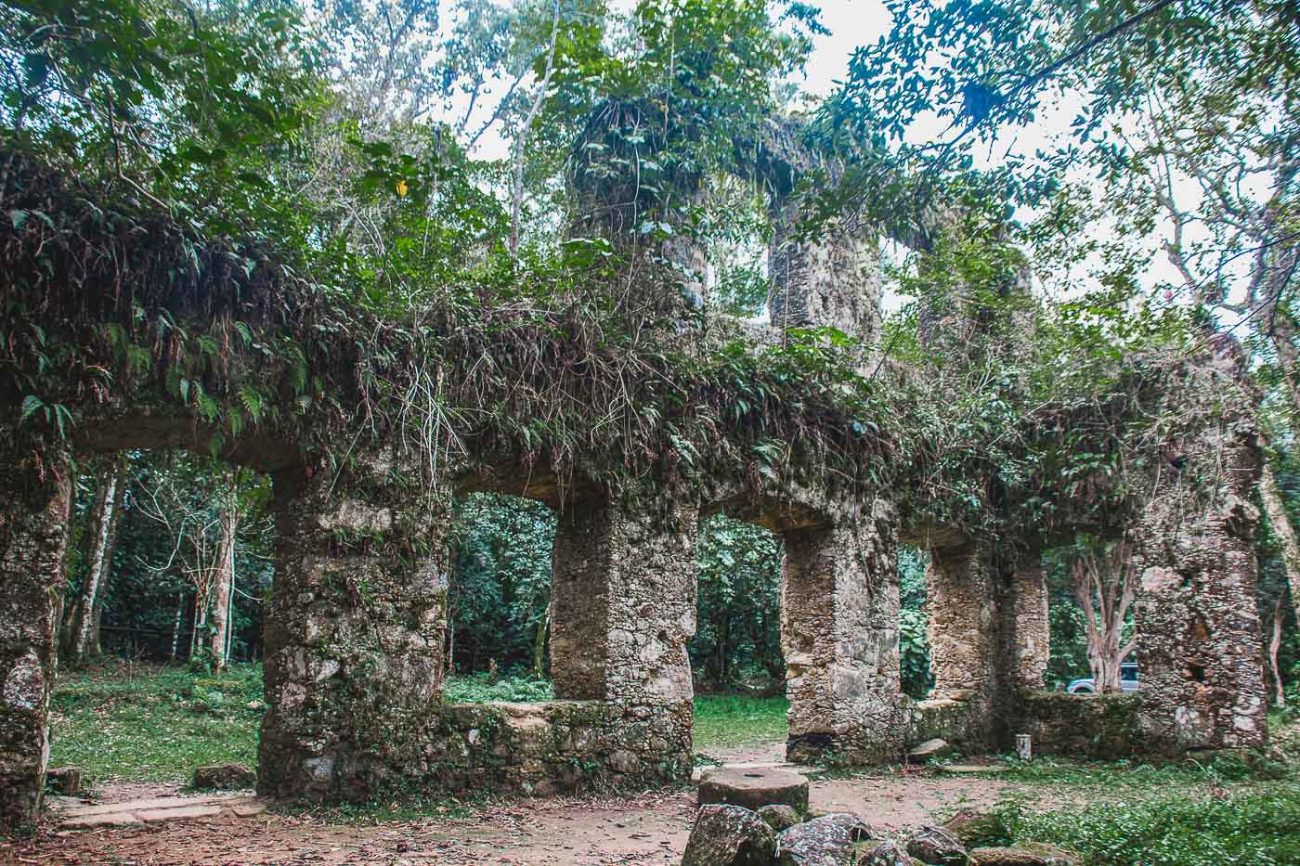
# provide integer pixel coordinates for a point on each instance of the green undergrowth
(481, 688)
(1165, 825)
(151, 724)
(731, 721)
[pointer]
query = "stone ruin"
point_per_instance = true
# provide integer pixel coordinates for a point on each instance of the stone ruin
(355, 633)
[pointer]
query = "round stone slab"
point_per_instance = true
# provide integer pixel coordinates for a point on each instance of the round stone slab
(754, 788)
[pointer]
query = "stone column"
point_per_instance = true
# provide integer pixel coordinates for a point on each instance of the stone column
(831, 280)
(839, 635)
(354, 636)
(1198, 629)
(623, 612)
(34, 509)
(962, 594)
(1030, 629)
(580, 564)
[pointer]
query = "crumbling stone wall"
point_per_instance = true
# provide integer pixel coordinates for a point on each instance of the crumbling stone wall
(354, 637)
(832, 279)
(1197, 621)
(1028, 630)
(34, 513)
(989, 637)
(963, 619)
(839, 636)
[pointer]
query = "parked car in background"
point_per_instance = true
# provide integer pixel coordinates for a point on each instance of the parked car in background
(1128, 681)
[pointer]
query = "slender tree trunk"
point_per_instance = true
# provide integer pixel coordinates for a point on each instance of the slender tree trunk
(1275, 642)
(1105, 586)
(223, 582)
(176, 624)
(1286, 536)
(82, 628)
(521, 141)
(539, 643)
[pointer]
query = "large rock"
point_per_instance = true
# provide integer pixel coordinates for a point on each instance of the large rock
(936, 748)
(729, 836)
(972, 828)
(754, 789)
(887, 854)
(1026, 854)
(938, 847)
(779, 816)
(65, 780)
(225, 777)
(831, 840)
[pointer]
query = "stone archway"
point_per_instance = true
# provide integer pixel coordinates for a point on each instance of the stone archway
(839, 625)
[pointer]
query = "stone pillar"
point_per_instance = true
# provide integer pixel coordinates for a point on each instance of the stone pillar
(1198, 629)
(830, 280)
(1030, 630)
(34, 512)
(354, 636)
(623, 612)
(839, 635)
(580, 564)
(962, 595)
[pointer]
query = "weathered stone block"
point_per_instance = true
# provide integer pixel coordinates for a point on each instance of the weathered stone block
(729, 836)
(754, 788)
(830, 840)
(937, 846)
(65, 780)
(224, 777)
(779, 816)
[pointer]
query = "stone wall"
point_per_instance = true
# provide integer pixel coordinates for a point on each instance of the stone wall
(34, 510)
(555, 747)
(1030, 628)
(1094, 727)
(832, 280)
(964, 630)
(354, 636)
(839, 635)
(1197, 620)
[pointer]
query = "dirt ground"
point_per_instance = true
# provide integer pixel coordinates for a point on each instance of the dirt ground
(648, 829)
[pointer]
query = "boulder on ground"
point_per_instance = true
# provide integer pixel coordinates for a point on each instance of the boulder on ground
(831, 840)
(938, 847)
(224, 777)
(779, 816)
(754, 789)
(936, 748)
(729, 836)
(886, 854)
(1025, 854)
(64, 780)
(972, 828)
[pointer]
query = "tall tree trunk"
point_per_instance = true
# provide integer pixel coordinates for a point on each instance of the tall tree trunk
(1275, 642)
(1105, 587)
(81, 636)
(1286, 536)
(223, 583)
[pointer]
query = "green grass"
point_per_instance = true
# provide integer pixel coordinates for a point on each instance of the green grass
(481, 688)
(155, 725)
(728, 721)
(1163, 826)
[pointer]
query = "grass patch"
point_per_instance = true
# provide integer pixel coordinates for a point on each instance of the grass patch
(1255, 827)
(155, 725)
(728, 721)
(481, 688)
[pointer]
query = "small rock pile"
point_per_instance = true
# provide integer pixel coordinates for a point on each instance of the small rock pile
(734, 827)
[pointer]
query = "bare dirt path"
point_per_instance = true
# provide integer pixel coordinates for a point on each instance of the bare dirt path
(649, 829)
